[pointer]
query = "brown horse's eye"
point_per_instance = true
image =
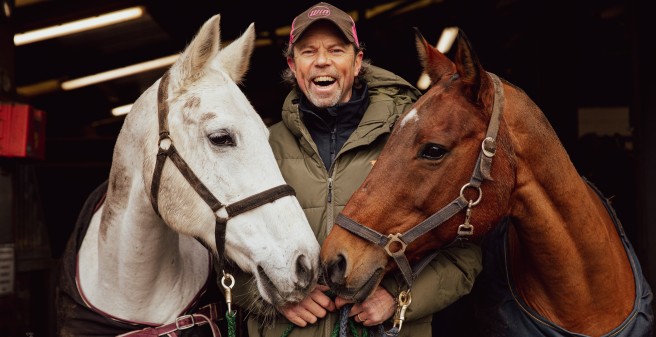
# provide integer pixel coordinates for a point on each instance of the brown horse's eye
(222, 138)
(433, 152)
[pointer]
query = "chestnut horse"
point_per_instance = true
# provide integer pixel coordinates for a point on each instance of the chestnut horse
(565, 266)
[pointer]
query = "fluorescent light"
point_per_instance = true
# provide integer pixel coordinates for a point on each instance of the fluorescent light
(38, 88)
(446, 39)
(78, 26)
(121, 110)
(444, 44)
(119, 72)
(423, 82)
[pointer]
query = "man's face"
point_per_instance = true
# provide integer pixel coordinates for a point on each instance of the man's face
(325, 65)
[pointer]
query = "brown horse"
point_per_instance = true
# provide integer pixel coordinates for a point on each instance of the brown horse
(567, 264)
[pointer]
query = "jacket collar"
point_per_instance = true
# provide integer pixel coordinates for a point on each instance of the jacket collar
(344, 115)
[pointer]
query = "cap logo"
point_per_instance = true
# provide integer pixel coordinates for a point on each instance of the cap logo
(319, 11)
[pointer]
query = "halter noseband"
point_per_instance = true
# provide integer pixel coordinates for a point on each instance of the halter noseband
(167, 150)
(395, 244)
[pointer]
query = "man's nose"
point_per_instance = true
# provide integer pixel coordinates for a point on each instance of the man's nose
(323, 57)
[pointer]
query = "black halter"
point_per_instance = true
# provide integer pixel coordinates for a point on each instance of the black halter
(395, 244)
(167, 150)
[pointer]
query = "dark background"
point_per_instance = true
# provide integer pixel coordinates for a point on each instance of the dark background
(567, 56)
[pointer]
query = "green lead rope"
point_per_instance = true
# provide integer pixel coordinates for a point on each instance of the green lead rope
(339, 330)
(231, 318)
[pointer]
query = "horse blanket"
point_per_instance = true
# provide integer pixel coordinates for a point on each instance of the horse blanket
(504, 313)
(77, 317)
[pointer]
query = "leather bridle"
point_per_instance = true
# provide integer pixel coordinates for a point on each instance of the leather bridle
(395, 244)
(167, 150)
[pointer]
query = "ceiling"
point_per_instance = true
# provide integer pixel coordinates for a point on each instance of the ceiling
(508, 33)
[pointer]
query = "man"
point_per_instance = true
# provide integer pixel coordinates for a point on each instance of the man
(334, 125)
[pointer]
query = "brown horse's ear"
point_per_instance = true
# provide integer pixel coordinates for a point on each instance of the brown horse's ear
(469, 68)
(435, 64)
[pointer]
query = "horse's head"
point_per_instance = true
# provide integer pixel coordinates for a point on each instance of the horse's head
(224, 142)
(429, 157)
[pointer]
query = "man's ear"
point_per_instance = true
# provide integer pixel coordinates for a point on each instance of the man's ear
(291, 65)
(358, 62)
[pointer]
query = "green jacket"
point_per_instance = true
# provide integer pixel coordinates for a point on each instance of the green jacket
(323, 193)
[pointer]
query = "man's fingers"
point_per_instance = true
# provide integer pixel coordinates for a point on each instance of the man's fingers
(321, 299)
(340, 302)
(314, 308)
(292, 313)
(322, 287)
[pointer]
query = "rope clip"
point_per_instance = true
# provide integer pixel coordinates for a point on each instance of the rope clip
(228, 289)
(404, 301)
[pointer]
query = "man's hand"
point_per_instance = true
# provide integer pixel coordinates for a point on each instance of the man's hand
(310, 309)
(376, 309)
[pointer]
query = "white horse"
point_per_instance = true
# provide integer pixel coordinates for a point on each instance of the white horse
(141, 261)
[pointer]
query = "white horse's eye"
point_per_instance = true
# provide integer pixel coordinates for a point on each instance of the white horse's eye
(222, 138)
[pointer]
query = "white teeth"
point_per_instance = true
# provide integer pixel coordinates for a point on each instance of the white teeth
(324, 79)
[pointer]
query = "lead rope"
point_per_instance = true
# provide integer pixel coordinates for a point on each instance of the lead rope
(345, 324)
(231, 316)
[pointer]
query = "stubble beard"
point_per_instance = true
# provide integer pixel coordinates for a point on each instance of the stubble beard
(325, 102)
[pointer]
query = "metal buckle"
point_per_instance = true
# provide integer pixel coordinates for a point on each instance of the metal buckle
(489, 147)
(465, 230)
(478, 189)
(187, 326)
(395, 238)
(165, 143)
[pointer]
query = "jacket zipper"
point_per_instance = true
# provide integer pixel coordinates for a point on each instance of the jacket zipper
(330, 190)
(330, 216)
(333, 144)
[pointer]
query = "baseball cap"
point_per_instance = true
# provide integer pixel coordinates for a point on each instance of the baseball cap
(324, 11)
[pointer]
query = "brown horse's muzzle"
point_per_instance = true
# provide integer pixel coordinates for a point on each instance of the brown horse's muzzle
(352, 267)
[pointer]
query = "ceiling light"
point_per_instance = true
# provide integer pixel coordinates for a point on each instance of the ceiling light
(38, 88)
(446, 39)
(119, 72)
(6, 8)
(78, 26)
(121, 110)
(443, 45)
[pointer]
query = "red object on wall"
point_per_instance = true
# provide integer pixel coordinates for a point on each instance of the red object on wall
(22, 131)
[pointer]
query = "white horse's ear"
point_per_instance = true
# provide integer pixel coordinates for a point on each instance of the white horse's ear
(234, 59)
(203, 48)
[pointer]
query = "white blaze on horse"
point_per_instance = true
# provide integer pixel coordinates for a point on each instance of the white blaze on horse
(476, 156)
(192, 171)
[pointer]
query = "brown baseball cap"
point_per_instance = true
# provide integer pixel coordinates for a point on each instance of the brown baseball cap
(324, 11)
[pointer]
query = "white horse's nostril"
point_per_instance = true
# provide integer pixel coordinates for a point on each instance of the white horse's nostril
(303, 271)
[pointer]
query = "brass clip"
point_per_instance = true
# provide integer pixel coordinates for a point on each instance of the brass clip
(228, 289)
(404, 301)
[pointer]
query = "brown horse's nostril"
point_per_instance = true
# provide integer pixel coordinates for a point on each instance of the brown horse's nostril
(336, 270)
(303, 271)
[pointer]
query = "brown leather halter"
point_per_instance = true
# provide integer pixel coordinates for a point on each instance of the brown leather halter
(402, 240)
(167, 150)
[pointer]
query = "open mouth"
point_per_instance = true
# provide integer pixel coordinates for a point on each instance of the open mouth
(363, 292)
(269, 288)
(324, 81)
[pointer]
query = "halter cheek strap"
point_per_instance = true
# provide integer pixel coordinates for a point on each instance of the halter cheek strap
(167, 150)
(395, 244)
